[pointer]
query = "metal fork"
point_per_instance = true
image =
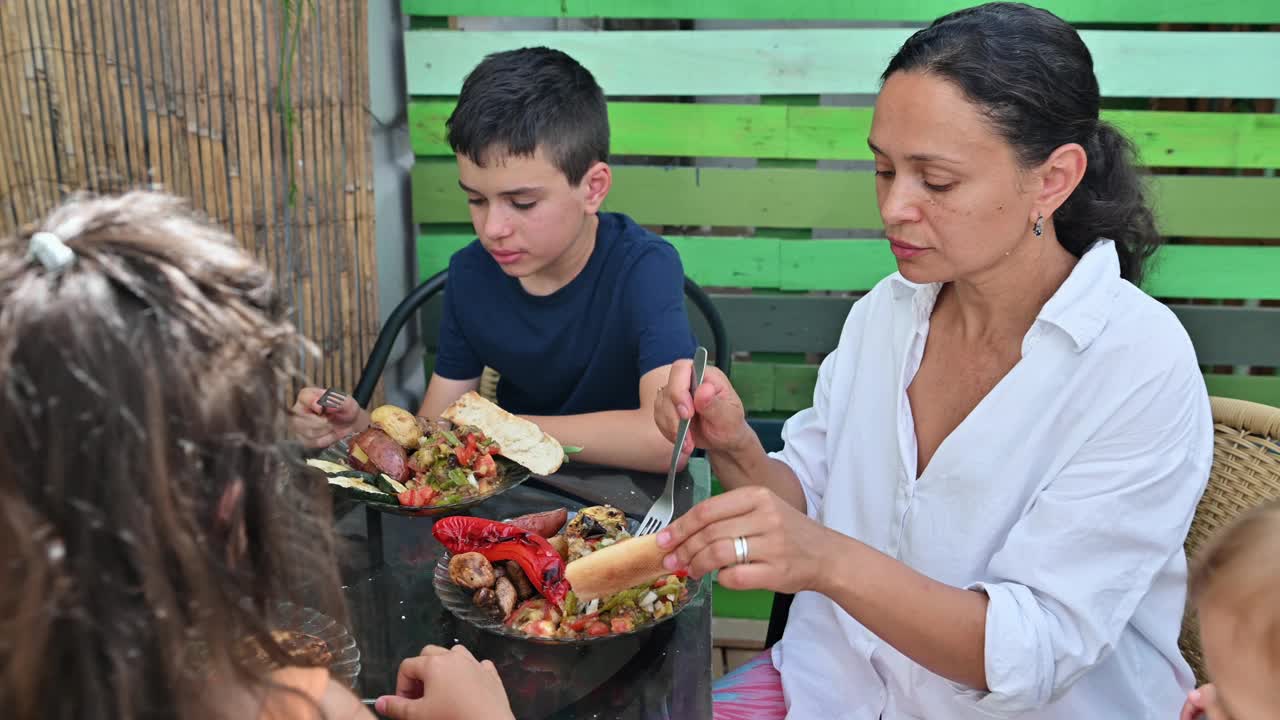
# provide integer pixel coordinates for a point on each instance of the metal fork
(660, 514)
(331, 399)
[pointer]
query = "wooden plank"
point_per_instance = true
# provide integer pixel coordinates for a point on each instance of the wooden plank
(753, 263)
(839, 60)
(1240, 273)
(1263, 389)
(790, 323)
(757, 385)
(1179, 271)
(738, 633)
(735, 658)
(1233, 335)
(771, 323)
(1163, 139)
(1187, 205)
(1076, 11)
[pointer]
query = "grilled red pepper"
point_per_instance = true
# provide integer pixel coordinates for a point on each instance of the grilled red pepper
(499, 541)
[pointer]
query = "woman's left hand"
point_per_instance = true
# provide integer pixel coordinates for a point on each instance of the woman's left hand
(785, 549)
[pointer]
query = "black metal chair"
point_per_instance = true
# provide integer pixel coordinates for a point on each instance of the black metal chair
(432, 286)
(770, 433)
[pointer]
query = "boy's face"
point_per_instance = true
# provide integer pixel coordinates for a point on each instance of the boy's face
(525, 212)
(1239, 666)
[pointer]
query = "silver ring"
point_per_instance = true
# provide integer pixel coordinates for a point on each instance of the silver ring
(740, 549)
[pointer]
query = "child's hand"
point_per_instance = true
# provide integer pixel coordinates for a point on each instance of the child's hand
(444, 684)
(1202, 704)
(317, 426)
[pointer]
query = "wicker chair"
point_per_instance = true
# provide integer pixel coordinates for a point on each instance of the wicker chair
(1245, 473)
(489, 384)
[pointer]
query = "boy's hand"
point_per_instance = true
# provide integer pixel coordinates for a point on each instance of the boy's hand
(317, 426)
(444, 684)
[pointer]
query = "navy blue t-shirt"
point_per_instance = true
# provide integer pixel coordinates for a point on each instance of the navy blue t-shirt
(581, 349)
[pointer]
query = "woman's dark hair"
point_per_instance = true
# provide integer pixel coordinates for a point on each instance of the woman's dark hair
(151, 513)
(1032, 76)
(517, 100)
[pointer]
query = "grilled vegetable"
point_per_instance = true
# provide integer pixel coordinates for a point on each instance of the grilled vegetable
(498, 541)
(388, 484)
(329, 468)
(398, 423)
(597, 521)
(360, 488)
(418, 497)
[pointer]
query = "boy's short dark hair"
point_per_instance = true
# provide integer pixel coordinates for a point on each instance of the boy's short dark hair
(516, 100)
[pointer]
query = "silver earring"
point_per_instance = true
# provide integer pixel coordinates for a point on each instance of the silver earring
(1038, 228)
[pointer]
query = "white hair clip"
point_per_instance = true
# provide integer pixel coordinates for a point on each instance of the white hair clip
(51, 251)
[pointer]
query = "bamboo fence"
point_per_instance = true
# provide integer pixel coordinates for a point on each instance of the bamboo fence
(213, 100)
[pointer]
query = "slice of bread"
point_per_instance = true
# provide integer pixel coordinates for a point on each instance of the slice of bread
(609, 570)
(519, 440)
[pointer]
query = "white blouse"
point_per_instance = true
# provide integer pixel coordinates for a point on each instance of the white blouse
(1065, 496)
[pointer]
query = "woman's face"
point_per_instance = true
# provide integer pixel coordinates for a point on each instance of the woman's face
(953, 199)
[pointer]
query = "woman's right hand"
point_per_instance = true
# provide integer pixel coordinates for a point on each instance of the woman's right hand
(719, 422)
(444, 684)
(1202, 704)
(318, 427)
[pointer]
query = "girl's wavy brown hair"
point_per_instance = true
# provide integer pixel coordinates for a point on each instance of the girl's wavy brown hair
(152, 512)
(1238, 572)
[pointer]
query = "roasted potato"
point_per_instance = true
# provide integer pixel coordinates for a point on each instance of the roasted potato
(373, 451)
(471, 570)
(398, 423)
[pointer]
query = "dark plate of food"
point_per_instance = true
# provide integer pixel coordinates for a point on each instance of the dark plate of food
(407, 465)
(558, 577)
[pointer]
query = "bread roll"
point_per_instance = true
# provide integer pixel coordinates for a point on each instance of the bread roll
(625, 564)
(518, 439)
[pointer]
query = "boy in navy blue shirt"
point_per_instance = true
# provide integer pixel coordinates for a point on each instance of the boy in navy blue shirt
(580, 311)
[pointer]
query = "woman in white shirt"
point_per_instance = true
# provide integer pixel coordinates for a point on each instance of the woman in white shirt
(983, 512)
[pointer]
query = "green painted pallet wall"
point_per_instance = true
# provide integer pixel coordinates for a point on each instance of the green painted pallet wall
(1187, 205)
(1178, 271)
(1163, 139)
(1076, 11)
(818, 61)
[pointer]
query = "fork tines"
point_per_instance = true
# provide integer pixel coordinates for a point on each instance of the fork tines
(331, 399)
